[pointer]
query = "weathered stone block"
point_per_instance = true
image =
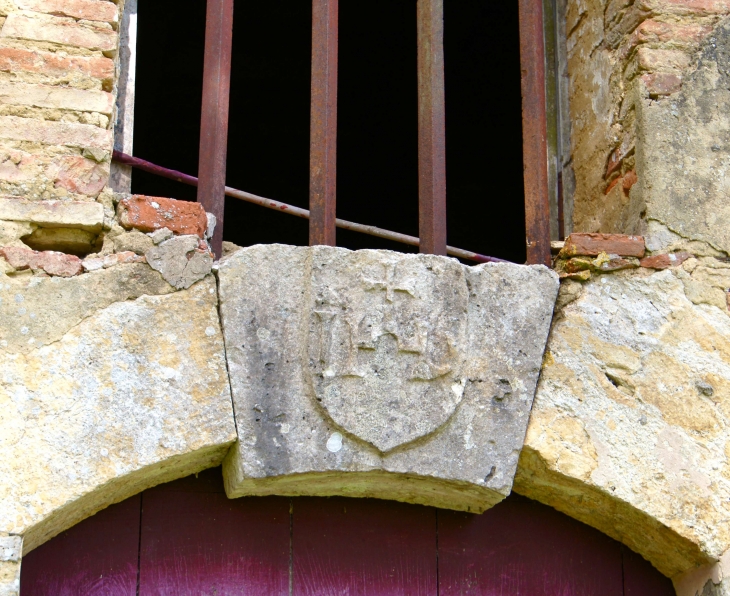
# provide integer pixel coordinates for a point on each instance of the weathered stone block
(11, 550)
(88, 10)
(11, 232)
(684, 149)
(131, 393)
(43, 310)
(54, 214)
(55, 133)
(133, 241)
(628, 432)
(180, 261)
(375, 373)
(48, 96)
(153, 213)
(59, 30)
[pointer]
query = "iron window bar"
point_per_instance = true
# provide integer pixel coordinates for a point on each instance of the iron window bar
(431, 129)
(242, 195)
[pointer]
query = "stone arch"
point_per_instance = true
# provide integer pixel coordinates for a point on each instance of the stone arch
(672, 554)
(195, 511)
(621, 436)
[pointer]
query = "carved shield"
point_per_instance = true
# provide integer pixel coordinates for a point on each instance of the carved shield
(386, 343)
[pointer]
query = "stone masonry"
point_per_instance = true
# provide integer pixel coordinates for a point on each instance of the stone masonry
(413, 377)
(374, 373)
(648, 106)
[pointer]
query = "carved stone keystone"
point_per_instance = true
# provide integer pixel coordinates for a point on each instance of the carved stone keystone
(380, 374)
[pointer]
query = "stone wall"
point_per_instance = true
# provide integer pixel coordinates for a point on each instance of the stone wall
(114, 371)
(648, 153)
(115, 377)
(57, 74)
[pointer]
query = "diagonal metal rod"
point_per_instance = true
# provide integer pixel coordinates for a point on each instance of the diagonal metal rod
(151, 168)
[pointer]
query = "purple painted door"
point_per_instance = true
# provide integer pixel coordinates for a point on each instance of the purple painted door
(187, 539)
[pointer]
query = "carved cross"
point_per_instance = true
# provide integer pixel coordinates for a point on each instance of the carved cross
(388, 283)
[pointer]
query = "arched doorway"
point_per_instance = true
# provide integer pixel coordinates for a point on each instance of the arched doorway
(186, 538)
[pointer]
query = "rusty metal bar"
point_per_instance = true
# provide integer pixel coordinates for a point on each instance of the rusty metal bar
(323, 124)
(214, 116)
(146, 166)
(431, 128)
(534, 131)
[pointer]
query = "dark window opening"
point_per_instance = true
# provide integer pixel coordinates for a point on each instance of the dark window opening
(377, 172)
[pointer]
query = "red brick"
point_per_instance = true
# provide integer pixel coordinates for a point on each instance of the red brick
(612, 244)
(665, 261)
(629, 179)
(53, 263)
(78, 174)
(657, 32)
(695, 7)
(611, 185)
(90, 10)
(661, 83)
(663, 60)
(614, 162)
(53, 65)
(152, 213)
(651, 31)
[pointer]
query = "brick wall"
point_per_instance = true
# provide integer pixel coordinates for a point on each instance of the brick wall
(624, 55)
(57, 68)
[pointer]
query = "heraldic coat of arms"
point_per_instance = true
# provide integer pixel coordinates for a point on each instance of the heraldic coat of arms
(386, 343)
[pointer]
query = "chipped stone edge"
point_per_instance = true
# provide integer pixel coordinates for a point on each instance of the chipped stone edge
(120, 488)
(614, 517)
(11, 547)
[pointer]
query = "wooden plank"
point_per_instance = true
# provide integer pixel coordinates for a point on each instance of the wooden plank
(214, 116)
(642, 579)
(431, 128)
(323, 124)
(97, 556)
(195, 541)
(363, 547)
(534, 132)
(520, 547)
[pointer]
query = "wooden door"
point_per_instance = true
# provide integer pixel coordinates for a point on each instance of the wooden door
(186, 538)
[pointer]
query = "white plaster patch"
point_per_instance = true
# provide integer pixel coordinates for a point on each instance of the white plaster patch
(334, 443)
